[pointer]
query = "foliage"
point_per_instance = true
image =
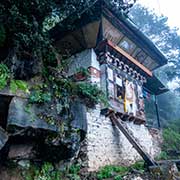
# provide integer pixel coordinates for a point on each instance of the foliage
(138, 166)
(111, 171)
(14, 84)
(162, 156)
(118, 177)
(117, 172)
(83, 72)
(74, 169)
(46, 172)
(73, 172)
(4, 75)
(18, 85)
(175, 125)
(91, 92)
(39, 96)
(171, 141)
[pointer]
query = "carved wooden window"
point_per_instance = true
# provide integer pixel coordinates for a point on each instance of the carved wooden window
(115, 85)
(111, 89)
(127, 45)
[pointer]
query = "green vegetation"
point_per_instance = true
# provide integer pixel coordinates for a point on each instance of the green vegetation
(112, 171)
(19, 85)
(117, 172)
(4, 75)
(92, 93)
(138, 166)
(171, 141)
(48, 172)
(15, 85)
(162, 156)
(83, 71)
(40, 94)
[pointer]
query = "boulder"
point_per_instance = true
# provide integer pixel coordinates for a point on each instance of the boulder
(24, 116)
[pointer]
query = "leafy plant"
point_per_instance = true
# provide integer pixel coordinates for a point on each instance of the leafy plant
(138, 166)
(46, 172)
(40, 95)
(92, 93)
(4, 75)
(74, 169)
(83, 71)
(18, 84)
(111, 171)
(118, 177)
(162, 156)
(171, 140)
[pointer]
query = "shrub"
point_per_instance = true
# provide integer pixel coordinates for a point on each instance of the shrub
(111, 171)
(46, 172)
(171, 140)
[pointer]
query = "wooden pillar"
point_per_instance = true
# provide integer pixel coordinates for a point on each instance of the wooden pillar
(157, 112)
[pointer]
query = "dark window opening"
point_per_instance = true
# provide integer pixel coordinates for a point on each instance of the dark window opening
(4, 107)
(119, 88)
(119, 92)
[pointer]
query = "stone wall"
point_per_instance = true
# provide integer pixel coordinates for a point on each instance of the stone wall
(106, 145)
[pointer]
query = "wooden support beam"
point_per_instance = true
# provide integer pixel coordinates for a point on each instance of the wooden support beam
(130, 58)
(147, 158)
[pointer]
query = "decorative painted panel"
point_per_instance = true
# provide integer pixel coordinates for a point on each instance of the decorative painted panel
(130, 98)
(110, 32)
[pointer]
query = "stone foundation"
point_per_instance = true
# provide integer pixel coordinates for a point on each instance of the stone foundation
(106, 145)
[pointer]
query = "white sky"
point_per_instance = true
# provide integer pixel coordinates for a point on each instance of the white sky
(169, 8)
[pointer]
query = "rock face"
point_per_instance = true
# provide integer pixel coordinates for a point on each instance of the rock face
(22, 151)
(19, 115)
(106, 145)
(27, 134)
